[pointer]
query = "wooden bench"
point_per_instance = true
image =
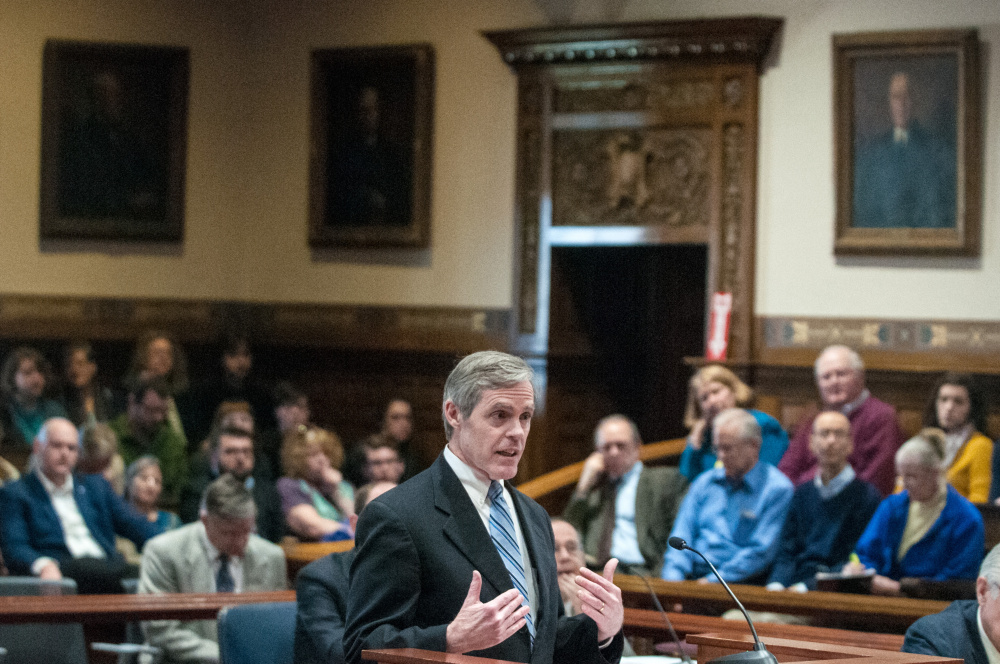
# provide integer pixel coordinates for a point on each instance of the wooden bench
(842, 610)
(647, 623)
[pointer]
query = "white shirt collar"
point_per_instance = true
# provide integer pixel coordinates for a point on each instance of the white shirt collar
(849, 408)
(992, 654)
(51, 488)
(476, 485)
(210, 550)
(836, 484)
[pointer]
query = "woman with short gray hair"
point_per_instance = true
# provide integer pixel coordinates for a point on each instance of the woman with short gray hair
(927, 531)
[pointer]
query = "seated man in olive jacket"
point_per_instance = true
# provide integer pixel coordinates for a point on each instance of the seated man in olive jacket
(621, 508)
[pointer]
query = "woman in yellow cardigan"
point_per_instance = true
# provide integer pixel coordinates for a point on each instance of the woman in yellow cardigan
(958, 407)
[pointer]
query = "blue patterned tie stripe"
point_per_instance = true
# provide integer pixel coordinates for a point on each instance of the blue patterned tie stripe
(505, 540)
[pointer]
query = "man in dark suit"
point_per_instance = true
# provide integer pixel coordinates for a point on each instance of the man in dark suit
(321, 593)
(56, 524)
(967, 629)
(457, 560)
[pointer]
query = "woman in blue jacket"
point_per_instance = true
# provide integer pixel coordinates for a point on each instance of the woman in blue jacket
(712, 390)
(929, 530)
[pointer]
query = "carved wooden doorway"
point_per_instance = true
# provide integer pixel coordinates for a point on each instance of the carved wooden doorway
(631, 135)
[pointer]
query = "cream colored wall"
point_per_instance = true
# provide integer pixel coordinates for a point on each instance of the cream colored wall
(206, 267)
(797, 273)
(248, 157)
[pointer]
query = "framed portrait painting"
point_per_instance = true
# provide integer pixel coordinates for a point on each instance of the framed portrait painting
(908, 143)
(114, 126)
(370, 155)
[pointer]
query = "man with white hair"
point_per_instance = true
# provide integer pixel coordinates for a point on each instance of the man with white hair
(967, 629)
(732, 514)
(57, 524)
(840, 377)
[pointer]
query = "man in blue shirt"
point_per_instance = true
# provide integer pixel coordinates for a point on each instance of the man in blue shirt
(732, 514)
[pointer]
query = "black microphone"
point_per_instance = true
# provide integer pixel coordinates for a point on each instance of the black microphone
(641, 573)
(759, 654)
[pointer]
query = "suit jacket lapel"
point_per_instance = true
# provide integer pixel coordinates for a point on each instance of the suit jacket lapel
(465, 528)
(202, 580)
(44, 501)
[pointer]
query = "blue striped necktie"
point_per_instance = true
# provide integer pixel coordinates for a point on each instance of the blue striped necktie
(224, 582)
(505, 539)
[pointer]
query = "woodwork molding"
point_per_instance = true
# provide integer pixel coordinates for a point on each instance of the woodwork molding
(425, 329)
(894, 345)
(744, 39)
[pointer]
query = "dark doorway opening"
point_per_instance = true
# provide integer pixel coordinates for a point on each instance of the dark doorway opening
(622, 319)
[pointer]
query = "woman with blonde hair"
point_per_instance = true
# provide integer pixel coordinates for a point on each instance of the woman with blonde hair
(928, 531)
(316, 500)
(99, 455)
(711, 390)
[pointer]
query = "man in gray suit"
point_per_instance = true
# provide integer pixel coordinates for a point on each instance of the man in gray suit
(219, 553)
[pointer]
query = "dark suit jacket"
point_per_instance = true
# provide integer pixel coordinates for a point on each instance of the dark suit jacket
(951, 633)
(657, 498)
(417, 547)
(270, 518)
(30, 527)
(321, 591)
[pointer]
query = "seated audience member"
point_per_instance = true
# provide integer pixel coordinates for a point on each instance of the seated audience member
(291, 411)
(99, 455)
(219, 553)
(928, 530)
(967, 629)
(232, 452)
(622, 508)
(143, 486)
(232, 383)
(396, 432)
(827, 514)
(958, 407)
(732, 514)
(23, 380)
(569, 560)
(56, 524)
(158, 356)
(321, 593)
(712, 390)
(840, 377)
(382, 462)
(229, 415)
(8, 473)
(143, 429)
(316, 500)
(86, 400)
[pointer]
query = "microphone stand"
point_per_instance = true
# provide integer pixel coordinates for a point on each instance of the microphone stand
(659, 607)
(759, 654)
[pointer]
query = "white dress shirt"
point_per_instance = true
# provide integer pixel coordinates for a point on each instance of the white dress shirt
(79, 541)
(477, 487)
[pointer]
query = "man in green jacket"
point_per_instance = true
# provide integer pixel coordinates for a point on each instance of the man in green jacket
(622, 508)
(143, 429)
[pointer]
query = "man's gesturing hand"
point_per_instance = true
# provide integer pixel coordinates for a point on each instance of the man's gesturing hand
(478, 625)
(602, 600)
